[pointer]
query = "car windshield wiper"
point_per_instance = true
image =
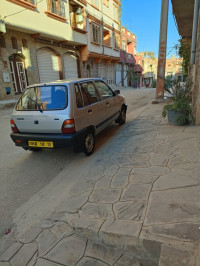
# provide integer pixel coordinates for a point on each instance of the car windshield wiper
(37, 104)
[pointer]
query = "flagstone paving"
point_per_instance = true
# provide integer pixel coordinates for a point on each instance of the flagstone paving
(138, 204)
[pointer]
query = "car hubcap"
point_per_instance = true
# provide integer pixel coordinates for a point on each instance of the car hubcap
(89, 142)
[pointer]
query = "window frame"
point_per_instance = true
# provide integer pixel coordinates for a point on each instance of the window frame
(50, 13)
(98, 27)
(116, 40)
(103, 98)
(109, 39)
(115, 13)
(24, 4)
(99, 98)
(96, 4)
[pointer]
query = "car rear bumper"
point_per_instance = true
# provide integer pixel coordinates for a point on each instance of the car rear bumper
(59, 140)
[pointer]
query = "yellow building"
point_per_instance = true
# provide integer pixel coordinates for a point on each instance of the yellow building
(48, 40)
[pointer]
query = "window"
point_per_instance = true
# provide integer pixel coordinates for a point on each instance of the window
(77, 18)
(116, 41)
(29, 4)
(43, 98)
(14, 43)
(106, 92)
(24, 43)
(123, 45)
(57, 7)
(106, 3)
(89, 93)
(116, 14)
(106, 37)
(79, 100)
(95, 3)
(2, 41)
(96, 33)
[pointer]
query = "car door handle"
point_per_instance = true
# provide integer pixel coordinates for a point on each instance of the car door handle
(90, 111)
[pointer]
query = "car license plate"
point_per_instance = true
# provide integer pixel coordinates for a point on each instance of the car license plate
(41, 144)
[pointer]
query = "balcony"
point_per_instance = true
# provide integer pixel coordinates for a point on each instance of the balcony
(126, 57)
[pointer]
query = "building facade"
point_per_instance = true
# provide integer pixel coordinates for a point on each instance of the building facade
(49, 40)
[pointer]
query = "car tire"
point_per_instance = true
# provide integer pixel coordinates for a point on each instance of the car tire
(122, 117)
(89, 143)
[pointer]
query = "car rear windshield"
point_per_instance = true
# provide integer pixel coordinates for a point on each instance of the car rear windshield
(43, 98)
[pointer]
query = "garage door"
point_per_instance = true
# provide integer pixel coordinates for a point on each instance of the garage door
(70, 66)
(48, 65)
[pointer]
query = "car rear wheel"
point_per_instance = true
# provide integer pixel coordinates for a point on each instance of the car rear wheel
(122, 116)
(89, 143)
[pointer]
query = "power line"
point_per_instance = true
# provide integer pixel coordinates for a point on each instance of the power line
(20, 11)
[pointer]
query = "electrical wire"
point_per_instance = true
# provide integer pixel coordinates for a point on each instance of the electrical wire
(20, 11)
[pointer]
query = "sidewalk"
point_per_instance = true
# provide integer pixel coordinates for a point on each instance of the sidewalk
(137, 203)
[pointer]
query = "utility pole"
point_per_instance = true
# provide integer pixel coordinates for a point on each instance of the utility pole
(162, 49)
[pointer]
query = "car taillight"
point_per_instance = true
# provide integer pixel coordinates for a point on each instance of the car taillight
(68, 126)
(13, 126)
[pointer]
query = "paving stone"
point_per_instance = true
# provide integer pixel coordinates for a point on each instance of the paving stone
(177, 205)
(68, 251)
(73, 204)
(93, 174)
(105, 195)
(87, 227)
(178, 231)
(128, 259)
(172, 255)
(190, 154)
(191, 173)
(142, 178)
(11, 252)
(120, 232)
(187, 144)
(120, 179)
(64, 217)
(164, 149)
(176, 159)
(138, 157)
(111, 170)
(6, 264)
(136, 192)
(104, 163)
(44, 262)
(61, 229)
(173, 180)
(159, 159)
(30, 235)
(103, 253)
(154, 170)
(147, 149)
(97, 210)
(82, 186)
(47, 224)
(45, 240)
(90, 262)
(24, 255)
(129, 211)
(33, 260)
(124, 162)
(104, 182)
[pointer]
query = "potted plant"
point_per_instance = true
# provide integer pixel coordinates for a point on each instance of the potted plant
(178, 108)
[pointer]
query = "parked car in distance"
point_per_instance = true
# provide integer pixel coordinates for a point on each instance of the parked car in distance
(65, 113)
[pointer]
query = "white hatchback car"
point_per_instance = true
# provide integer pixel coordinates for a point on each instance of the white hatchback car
(65, 113)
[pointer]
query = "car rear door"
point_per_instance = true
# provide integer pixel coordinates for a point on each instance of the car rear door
(89, 108)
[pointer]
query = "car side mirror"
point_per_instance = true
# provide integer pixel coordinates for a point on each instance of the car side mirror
(116, 92)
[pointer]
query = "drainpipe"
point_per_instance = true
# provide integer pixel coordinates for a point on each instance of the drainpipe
(194, 31)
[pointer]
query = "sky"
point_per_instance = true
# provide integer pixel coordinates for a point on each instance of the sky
(143, 19)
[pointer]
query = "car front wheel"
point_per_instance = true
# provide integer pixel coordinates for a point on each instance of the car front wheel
(89, 143)
(122, 117)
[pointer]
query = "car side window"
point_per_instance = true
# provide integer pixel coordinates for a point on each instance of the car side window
(106, 92)
(90, 94)
(79, 100)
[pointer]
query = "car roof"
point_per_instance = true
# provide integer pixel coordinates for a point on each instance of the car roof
(64, 81)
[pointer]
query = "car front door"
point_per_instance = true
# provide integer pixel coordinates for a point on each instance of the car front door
(110, 101)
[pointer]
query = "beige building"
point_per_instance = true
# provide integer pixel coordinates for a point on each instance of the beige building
(49, 40)
(173, 67)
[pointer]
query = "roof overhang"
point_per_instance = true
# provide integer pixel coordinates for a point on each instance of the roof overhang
(183, 11)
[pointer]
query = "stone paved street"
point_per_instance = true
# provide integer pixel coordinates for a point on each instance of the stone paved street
(137, 203)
